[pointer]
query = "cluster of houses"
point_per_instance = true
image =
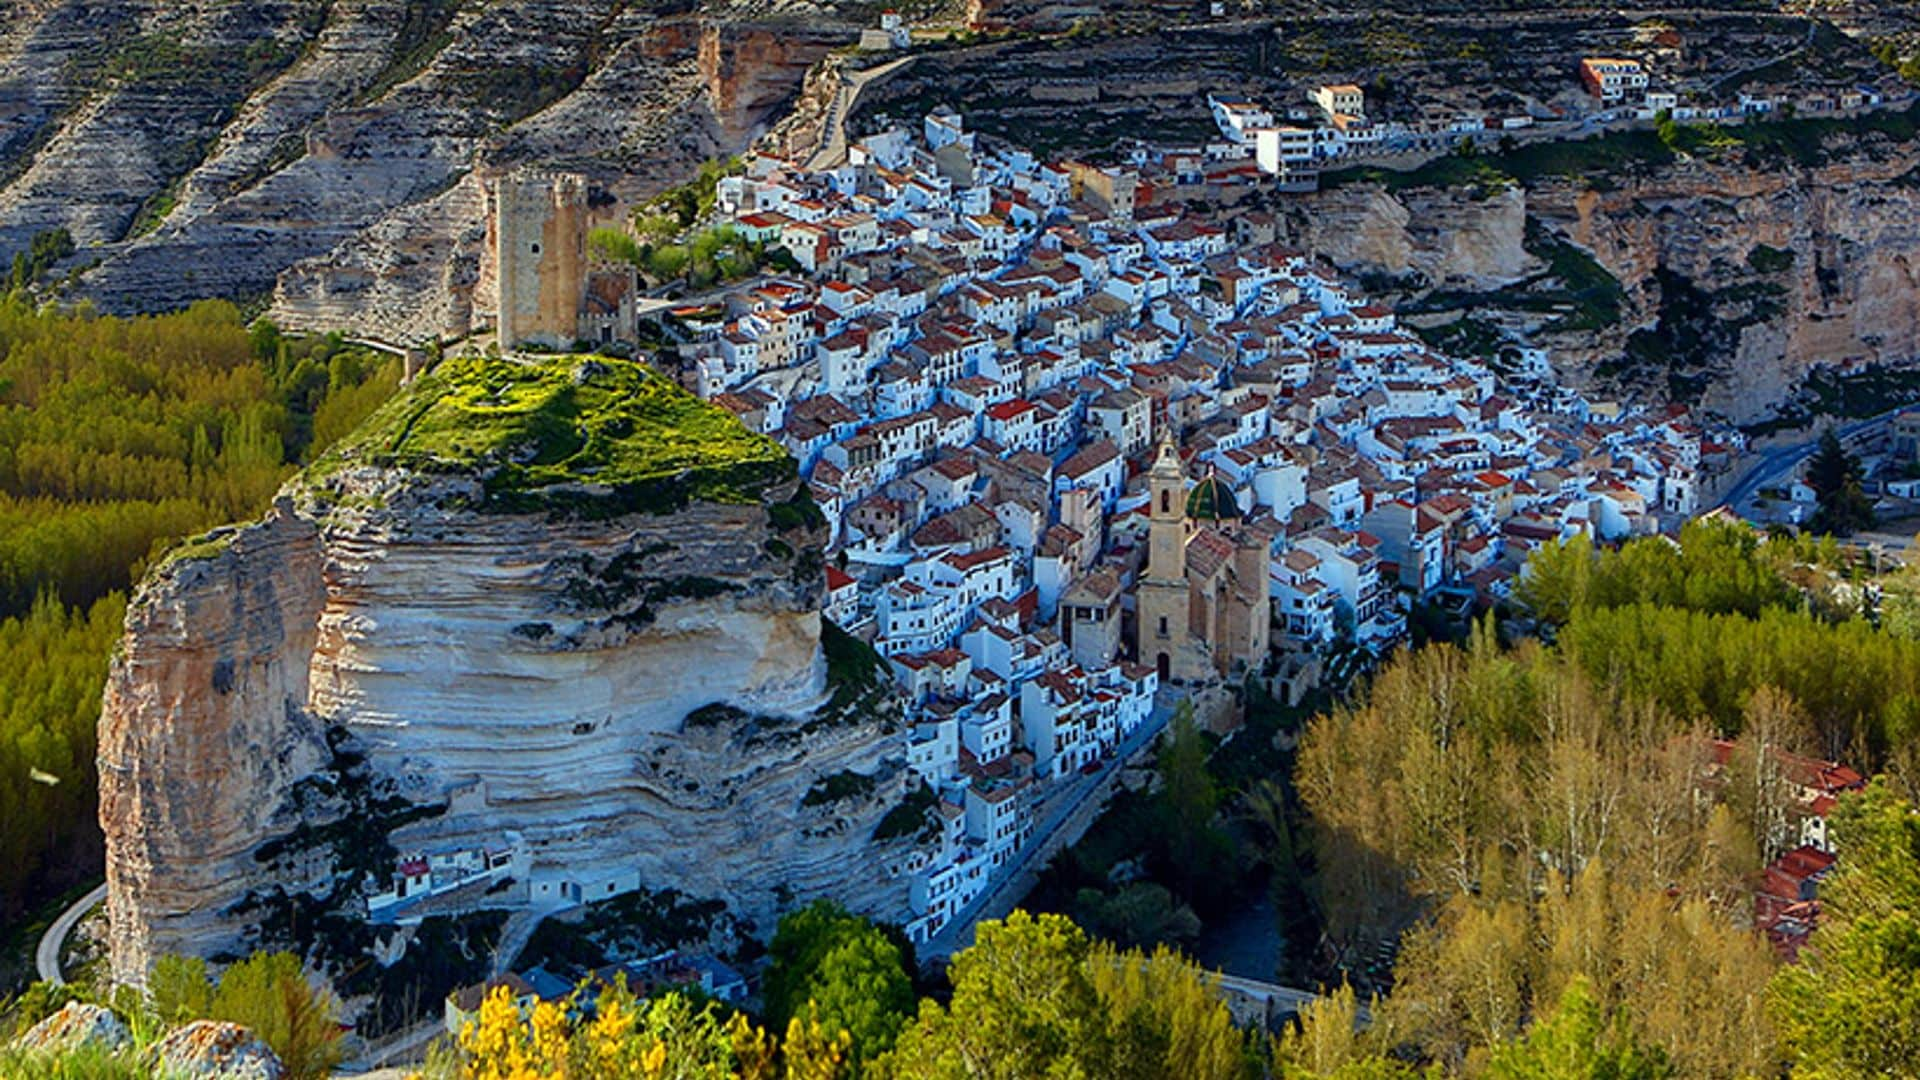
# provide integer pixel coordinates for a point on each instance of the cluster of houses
(420, 878)
(1624, 83)
(1077, 443)
(1786, 902)
(1293, 145)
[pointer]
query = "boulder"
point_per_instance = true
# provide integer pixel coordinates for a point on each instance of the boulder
(214, 1050)
(77, 1024)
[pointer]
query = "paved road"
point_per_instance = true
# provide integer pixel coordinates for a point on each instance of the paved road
(396, 1052)
(1064, 811)
(46, 958)
(1774, 464)
(833, 144)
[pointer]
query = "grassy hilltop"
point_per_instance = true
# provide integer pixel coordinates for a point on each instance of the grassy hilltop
(589, 434)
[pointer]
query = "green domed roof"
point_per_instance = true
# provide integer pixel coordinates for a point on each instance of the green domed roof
(1212, 500)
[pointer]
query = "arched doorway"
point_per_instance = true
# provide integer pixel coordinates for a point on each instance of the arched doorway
(1165, 665)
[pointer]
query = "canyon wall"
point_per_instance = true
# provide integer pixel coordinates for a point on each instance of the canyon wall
(333, 156)
(1736, 275)
(397, 660)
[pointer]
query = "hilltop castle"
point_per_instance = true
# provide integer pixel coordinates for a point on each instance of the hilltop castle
(551, 291)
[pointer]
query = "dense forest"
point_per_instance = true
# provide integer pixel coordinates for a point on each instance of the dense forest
(118, 437)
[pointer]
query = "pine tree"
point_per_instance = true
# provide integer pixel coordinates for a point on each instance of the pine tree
(1834, 476)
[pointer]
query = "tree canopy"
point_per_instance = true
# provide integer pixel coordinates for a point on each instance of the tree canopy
(119, 437)
(835, 970)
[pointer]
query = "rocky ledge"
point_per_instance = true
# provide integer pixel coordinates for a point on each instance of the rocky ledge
(553, 612)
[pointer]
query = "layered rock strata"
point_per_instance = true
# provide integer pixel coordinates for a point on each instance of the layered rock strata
(328, 154)
(1735, 277)
(498, 619)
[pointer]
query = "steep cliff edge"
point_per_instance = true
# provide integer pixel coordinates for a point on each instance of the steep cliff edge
(207, 150)
(560, 613)
(1720, 276)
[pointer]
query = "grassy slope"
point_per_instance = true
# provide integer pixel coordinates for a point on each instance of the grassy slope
(566, 432)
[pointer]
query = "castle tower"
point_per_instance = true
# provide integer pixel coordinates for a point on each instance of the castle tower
(540, 257)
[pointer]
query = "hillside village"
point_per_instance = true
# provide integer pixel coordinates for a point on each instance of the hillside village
(1093, 438)
(1079, 445)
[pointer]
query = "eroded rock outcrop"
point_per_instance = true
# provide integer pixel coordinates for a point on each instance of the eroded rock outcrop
(1731, 275)
(78, 1024)
(560, 609)
(214, 1050)
(209, 150)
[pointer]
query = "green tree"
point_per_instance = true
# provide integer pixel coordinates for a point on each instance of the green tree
(1324, 1039)
(1576, 1042)
(1851, 1006)
(269, 993)
(1166, 1018)
(840, 971)
(1196, 852)
(1035, 997)
(178, 989)
(1556, 579)
(1834, 476)
(1022, 1007)
(1141, 913)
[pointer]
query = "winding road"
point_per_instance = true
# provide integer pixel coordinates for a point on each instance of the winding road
(46, 957)
(833, 144)
(1774, 464)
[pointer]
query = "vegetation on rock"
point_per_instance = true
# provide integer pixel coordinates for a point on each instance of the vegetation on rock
(265, 1000)
(587, 435)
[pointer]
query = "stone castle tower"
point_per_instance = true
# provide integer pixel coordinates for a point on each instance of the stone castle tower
(540, 256)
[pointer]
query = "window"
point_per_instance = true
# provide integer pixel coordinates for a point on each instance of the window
(1163, 626)
(1166, 500)
(536, 248)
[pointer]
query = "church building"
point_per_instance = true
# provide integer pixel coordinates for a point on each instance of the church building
(1202, 601)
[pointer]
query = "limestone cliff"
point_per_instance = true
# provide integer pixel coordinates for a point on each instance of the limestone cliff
(1717, 278)
(559, 608)
(331, 153)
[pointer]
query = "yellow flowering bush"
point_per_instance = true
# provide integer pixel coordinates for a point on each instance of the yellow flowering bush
(623, 1037)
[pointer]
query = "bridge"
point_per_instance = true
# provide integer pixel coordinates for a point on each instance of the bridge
(1270, 1004)
(1264, 1004)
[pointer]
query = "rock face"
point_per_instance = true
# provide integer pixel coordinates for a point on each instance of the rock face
(1447, 240)
(1736, 275)
(214, 1050)
(441, 641)
(333, 155)
(77, 1024)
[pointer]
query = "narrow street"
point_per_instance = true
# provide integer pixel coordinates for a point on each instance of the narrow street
(1065, 816)
(833, 143)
